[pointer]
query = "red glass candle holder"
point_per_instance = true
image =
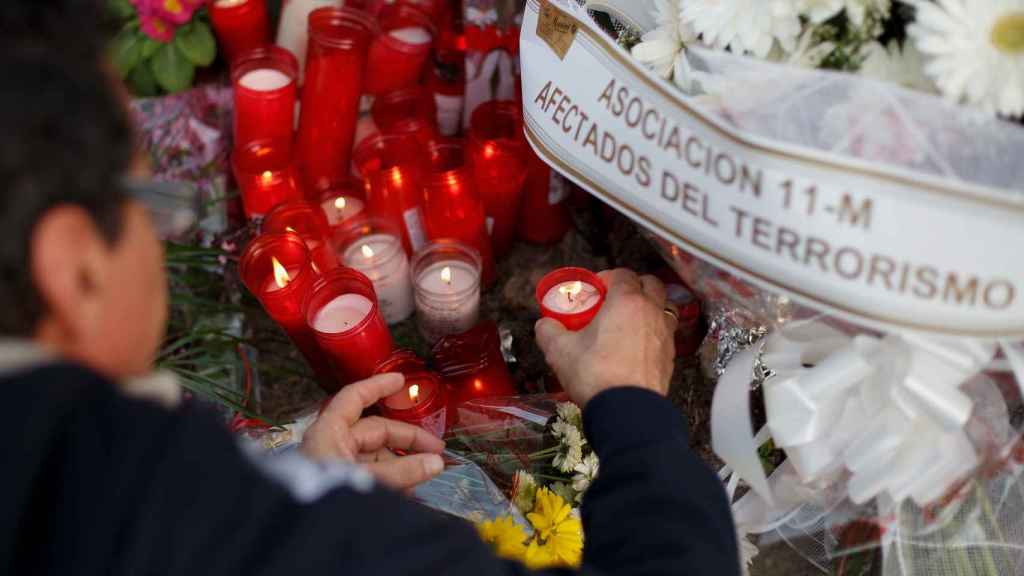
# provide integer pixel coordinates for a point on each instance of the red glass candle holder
(498, 158)
(392, 169)
(265, 83)
(573, 296)
(544, 217)
(472, 365)
(400, 51)
(263, 170)
(408, 111)
(452, 208)
(240, 25)
(310, 223)
(343, 313)
(335, 63)
(423, 401)
(263, 266)
(343, 204)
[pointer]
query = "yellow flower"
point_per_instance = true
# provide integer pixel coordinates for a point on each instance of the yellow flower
(538, 556)
(560, 533)
(507, 537)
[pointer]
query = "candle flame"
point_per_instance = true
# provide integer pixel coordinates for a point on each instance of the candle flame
(490, 150)
(340, 202)
(572, 290)
(367, 251)
(414, 392)
(280, 273)
(267, 177)
(315, 269)
(290, 229)
(446, 275)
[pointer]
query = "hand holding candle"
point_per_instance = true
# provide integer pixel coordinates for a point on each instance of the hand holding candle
(572, 296)
(424, 400)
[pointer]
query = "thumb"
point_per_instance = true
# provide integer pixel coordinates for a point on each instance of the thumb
(551, 336)
(406, 472)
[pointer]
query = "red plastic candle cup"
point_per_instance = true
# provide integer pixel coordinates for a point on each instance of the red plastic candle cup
(544, 216)
(335, 62)
(240, 25)
(400, 51)
(277, 270)
(309, 222)
(265, 82)
(392, 169)
(572, 296)
(423, 401)
(498, 158)
(472, 365)
(263, 170)
(343, 314)
(446, 289)
(452, 208)
(408, 111)
(342, 204)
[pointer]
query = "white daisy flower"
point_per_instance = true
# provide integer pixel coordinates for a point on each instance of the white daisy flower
(586, 471)
(895, 64)
(974, 51)
(744, 25)
(571, 450)
(663, 49)
(818, 11)
(807, 55)
(570, 413)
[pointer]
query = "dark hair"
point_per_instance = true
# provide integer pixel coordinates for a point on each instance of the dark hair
(65, 137)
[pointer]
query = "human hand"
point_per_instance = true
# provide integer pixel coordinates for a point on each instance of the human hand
(341, 432)
(629, 343)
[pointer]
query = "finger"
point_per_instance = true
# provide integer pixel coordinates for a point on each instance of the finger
(374, 433)
(620, 280)
(382, 455)
(551, 336)
(654, 289)
(408, 471)
(349, 404)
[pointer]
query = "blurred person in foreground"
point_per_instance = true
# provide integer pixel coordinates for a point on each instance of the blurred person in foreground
(99, 480)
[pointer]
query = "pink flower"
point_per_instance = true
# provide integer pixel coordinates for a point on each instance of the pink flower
(177, 12)
(156, 28)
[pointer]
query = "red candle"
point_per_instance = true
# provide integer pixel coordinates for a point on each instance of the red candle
(472, 364)
(452, 206)
(401, 49)
(422, 401)
(343, 313)
(310, 223)
(498, 158)
(240, 25)
(338, 41)
(277, 270)
(408, 111)
(572, 296)
(265, 91)
(544, 217)
(342, 204)
(392, 169)
(264, 175)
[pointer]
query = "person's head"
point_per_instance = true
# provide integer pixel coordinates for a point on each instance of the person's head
(81, 269)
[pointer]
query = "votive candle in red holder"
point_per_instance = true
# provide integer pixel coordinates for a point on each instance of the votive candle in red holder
(277, 270)
(400, 51)
(309, 222)
(343, 203)
(498, 158)
(452, 208)
(392, 168)
(407, 111)
(335, 62)
(423, 401)
(573, 296)
(265, 84)
(240, 25)
(472, 365)
(544, 216)
(343, 313)
(263, 170)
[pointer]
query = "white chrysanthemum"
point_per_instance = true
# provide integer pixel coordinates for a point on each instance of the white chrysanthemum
(744, 25)
(807, 54)
(818, 11)
(586, 471)
(895, 64)
(974, 51)
(570, 413)
(570, 452)
(663, 49)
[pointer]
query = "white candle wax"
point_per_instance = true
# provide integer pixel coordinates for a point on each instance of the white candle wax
(293, 30)
(447, 303)
(412, 35)
(341, 208)
(383, 260)
(342, 314)
(265, 79)
(272, 285)
(563, 299)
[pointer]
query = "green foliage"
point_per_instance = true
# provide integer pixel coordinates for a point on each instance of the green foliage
(195, 41)
(142, 81)
(172, 69)
(120, 9)
(126, 50)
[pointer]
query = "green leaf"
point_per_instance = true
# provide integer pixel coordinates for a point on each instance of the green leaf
(126, 51)
(120, 9)
(142, 81)
(173, 71)
(149, 47)
(196, 41)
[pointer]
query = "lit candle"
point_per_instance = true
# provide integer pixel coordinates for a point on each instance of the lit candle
(265, 93)
(282, 276)
(340, 209)
(572, 296)
(497, 154)
(344, 315)
(240, 25)
(310, 223)
(375, 249)
(447, 289)
(392, 168)
(293, 29)
(423, 401)
(263, 172)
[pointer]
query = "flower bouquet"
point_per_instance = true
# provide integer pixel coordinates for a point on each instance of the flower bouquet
(840, 181)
